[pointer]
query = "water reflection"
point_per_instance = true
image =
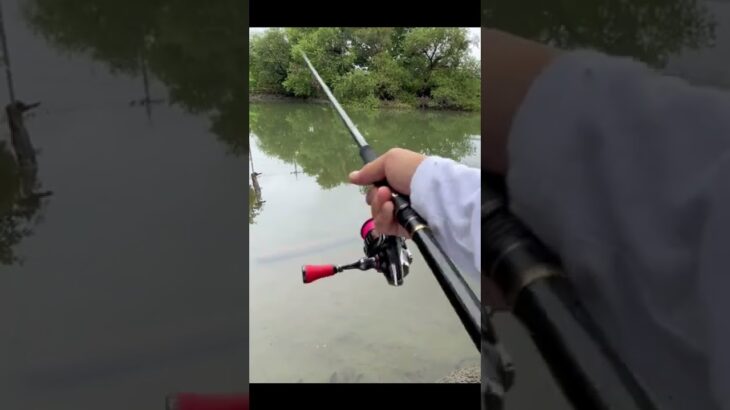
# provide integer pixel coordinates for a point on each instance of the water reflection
(21, 204)
(20, 197)
(255, 200)
(133, 286)
(312, 138)
(649, 30)
(196, 49)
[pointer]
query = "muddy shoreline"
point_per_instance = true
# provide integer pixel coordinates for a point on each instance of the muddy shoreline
(269, 98)
(284, 98)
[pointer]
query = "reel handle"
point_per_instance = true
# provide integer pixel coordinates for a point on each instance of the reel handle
(310, 273)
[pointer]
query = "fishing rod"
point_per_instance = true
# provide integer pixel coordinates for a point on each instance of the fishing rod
(388, 253)
(589, 372)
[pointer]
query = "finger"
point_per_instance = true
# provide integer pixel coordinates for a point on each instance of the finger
(370, 196)
(384, 220)
(371, 172)
(402, 232)
(384, 194)
(379, 198)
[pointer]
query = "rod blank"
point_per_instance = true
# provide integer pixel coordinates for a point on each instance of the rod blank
(343, 115)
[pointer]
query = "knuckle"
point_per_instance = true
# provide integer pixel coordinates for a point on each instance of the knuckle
(394, 151)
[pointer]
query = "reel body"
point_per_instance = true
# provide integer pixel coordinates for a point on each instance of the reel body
(386, 254)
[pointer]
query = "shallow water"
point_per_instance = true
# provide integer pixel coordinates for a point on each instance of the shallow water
(352, 327)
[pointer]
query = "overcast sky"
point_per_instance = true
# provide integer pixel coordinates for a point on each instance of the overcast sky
(475, 35)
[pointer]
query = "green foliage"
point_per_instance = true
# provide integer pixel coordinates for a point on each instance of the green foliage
(649, 30)
(328, 51)
(357, 87)
(365, 66)
(299, 81)
(459, 88)
(389, 77)
(269, 61)
(369, 42)
(434, 48)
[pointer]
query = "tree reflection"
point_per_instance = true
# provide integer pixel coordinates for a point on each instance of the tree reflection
(255, 204)
(20, 209)
(196, 48)
(649, 30)
(255, 201)
(314, 137)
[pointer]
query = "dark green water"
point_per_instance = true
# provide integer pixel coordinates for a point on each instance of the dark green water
(129, 282)
(354, 326)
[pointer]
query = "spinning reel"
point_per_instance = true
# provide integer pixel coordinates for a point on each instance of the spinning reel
(386, 254)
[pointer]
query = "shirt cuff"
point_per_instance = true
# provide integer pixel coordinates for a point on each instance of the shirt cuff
(421, 183)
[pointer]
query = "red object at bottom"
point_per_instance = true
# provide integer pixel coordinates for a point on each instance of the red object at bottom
(193, 401)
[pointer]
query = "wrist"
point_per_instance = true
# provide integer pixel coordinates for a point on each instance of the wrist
(421, 180)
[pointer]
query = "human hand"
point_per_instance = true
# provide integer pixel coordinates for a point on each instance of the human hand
(397, 167)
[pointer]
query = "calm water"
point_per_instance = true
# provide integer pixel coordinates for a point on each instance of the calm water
(132, 283)
(687, 38)
(353, 326)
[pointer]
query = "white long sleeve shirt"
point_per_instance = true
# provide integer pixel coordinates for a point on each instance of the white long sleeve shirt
(626, 175)
(447, 194)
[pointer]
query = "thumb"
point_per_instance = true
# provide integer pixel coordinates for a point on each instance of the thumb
(372, 172)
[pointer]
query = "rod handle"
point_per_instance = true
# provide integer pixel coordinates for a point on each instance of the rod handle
(310, 273)
(404, 214)
(367, 153)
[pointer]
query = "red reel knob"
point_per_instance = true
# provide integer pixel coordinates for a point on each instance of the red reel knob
(310, 273)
